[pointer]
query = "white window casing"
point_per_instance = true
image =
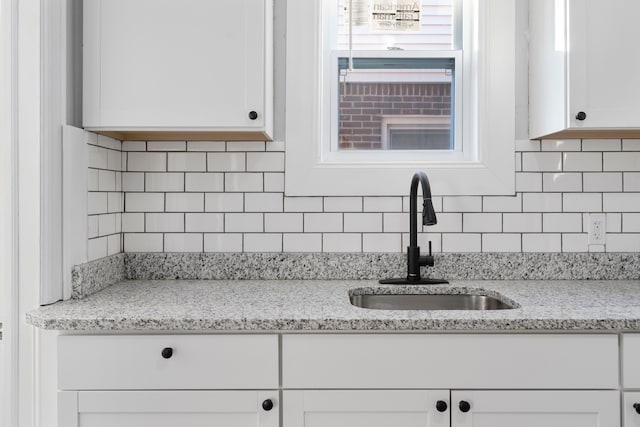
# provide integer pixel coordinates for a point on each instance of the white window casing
(486, 122)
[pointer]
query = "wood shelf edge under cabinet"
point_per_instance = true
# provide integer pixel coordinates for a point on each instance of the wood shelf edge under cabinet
(143, 135)
(592, 134)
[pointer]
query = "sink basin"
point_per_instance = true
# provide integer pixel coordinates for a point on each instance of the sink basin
(428, 302)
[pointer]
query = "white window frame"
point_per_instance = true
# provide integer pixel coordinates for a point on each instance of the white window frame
(488, 98)
(412, 122)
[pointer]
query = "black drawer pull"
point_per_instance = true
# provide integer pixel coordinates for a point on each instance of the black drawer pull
(167, 352)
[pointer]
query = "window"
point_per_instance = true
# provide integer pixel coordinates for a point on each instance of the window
(456, 120)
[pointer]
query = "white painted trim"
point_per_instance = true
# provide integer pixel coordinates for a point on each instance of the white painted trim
(492, 95)
(75, 220)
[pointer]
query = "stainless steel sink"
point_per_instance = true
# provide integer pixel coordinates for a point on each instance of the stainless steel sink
(428, 302)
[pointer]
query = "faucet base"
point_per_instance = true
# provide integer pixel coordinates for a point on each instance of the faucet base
(407, 281)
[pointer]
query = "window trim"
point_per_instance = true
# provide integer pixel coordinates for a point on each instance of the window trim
(488, 100)
(412, 122)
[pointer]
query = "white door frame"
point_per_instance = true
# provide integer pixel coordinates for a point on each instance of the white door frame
(33, 37)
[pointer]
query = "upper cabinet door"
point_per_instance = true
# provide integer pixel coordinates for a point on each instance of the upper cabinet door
(178, 65)
(584, 71)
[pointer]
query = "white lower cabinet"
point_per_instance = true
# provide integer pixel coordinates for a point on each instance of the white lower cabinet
(631, 409)
(365, 408)
(168, 408)
(441, 408)
(535, 408)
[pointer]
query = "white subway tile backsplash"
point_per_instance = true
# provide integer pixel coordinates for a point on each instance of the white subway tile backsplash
(185, 202)
(518, 162)
(265, 162)
(462, 204)
(381, 242)
(621, 202)
(382, 204)
(143, 242)
(166, 145)
(614, 223)
(601, 145)
(274, 182)
(527, 145)
(629, 242)
(447, 223)
(343, 204)
(303, 204)
(561, 222)
(187, 162)
(275, 145)
(244, 222)
(204, 222)
(92, 226)
(133, 222)
(362, 222)
(119, 182)
(223, 202)
(341, 242)
(628, 161)
(93, 183)
(575, 242)
(144, 202)
(302, 242)
(108, 142)
(245, 146)
(283, 222)
(501, 242)
(226, 162)
(106, 224)
(162, 182)
(134, 145)
(561, 145)
(582, 202)
(502, 203)
(547, 242)
(241, 182)
(114, 160)
(263, 242)
(115, 202)
(528, 182)
(206, 145)
(146, 162)
(97, 248)
(561, 182)
(580, 162)
(521, 222)
(597, 181)
(164, 222)
(205, 182)
(183, 242)
(223, 242)
(263, 202)
(540, 162)
(98, 157)
(541, 202)
(435, 200)
(459, 242)
(423, 242)
(631, 223)
(323, 222)
(631, 144)
(97, 203)
(393, 222)
(631, 181)
(114, 245)
(482, 222)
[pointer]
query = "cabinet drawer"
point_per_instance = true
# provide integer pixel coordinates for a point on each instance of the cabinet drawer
(196, 362)
(631, 360)
(488, 361)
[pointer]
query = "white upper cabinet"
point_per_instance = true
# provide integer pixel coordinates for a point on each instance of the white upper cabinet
(187, 69)
(584, 68)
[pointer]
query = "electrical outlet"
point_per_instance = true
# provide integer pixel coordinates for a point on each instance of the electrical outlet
(597, 229)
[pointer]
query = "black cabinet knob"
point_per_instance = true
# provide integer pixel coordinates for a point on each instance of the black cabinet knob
(464, 406)
(581, 116)
(636, 406)
(167, 352)
(441, 406)
(267, 405)
(253, 115)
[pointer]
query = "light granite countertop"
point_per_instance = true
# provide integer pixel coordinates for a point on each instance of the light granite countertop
(323, 305)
